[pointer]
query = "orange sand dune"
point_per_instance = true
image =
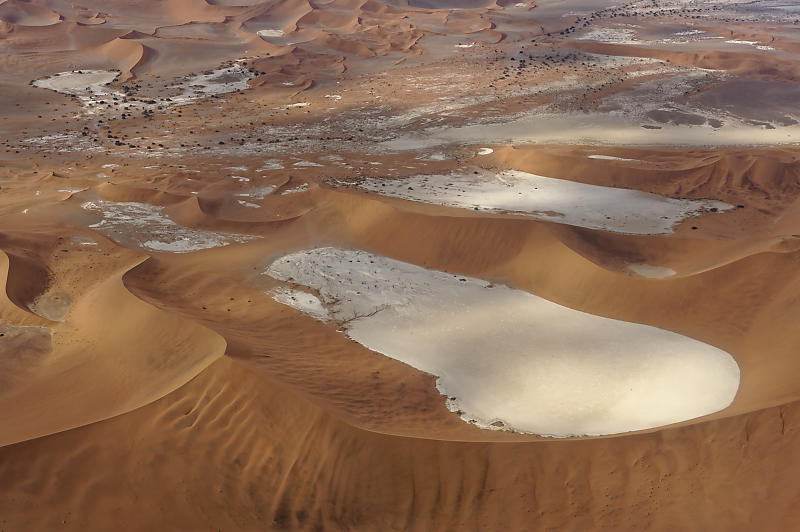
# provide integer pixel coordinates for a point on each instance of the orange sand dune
(25, 14)
(63, 390)
(297, 467)
(156, 373)
(125, 54)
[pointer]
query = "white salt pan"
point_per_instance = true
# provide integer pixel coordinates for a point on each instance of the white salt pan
(505, 355)
(220, 81)
(272, 164)
(610, 158)
(294, 105)
(302, 301)
(651, 272)
(545, 198)
(270, 33)
(299, 188)
(78, 82)
(146, 226)
(259, 192)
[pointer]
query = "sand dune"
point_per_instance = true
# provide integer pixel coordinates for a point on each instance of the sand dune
(80, 350)
(25, 14)
(287, 456)
(399, 265)
(483, 343)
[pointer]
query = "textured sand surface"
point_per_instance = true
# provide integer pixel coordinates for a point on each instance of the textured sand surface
(481, 221)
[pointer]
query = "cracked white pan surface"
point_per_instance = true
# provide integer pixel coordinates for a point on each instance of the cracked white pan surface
(507, 358)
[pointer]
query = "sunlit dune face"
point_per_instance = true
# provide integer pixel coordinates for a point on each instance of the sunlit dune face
(506, 358)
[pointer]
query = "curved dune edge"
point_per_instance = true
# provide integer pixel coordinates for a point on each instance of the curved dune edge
(13, 311)
(292, 458)
(262, 328)
(545, 259)
(126, 54)
(101, 365)
(506, 358)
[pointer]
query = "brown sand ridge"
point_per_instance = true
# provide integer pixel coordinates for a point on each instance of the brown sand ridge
(151, 379)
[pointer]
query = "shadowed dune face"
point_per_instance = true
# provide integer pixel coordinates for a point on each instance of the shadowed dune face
(399, 265)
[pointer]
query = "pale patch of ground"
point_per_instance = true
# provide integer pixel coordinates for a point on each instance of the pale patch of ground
(51, 305)
(258, 192)
(91, 89)
(610, 35)
(593, 129)
(546, 198)
(63, 142)
(146, 226)
(294, 105)
(506, 358)
(270, 33)
(756, 44)
(220, 81)
(272, 164)
(79, 82)
(302, 301)
(651, 272)
(610, 158)
(300, 188)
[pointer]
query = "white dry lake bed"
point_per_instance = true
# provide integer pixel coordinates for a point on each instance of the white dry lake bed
(506, 358)
(545, 198)
(146, 226)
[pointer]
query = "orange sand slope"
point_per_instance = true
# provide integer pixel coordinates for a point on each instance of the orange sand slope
(267, 265)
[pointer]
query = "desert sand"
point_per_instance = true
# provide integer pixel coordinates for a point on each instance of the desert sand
(432, 265)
